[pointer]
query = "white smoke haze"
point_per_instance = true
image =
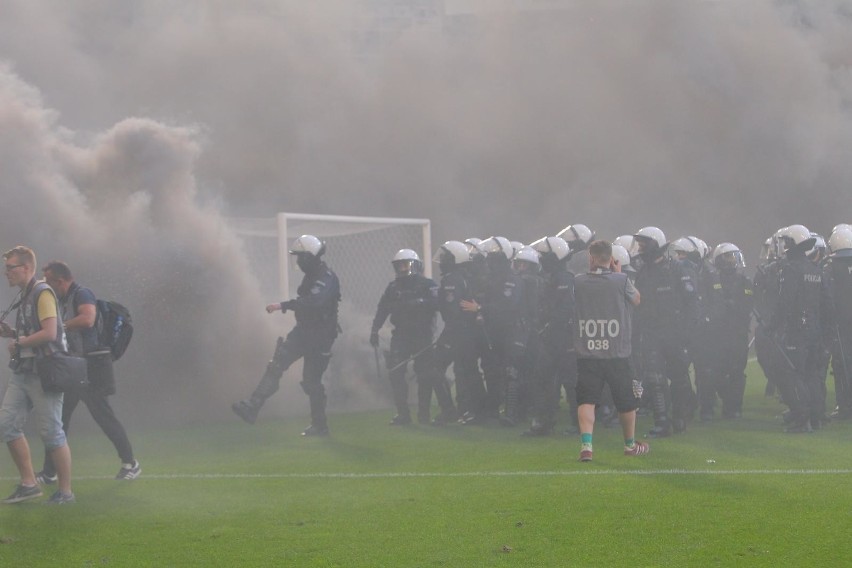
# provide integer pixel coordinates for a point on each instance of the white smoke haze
(130, 130)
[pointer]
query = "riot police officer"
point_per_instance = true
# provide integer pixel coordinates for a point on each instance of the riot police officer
(666, 317)
(456, 345)
(796, 329)
(315, 307)
(411, 302)
(839, 269)
(557, 361)
(504, 326)
(734, 321)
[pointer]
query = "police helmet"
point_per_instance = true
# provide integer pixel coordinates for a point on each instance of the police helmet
(406, 262)
(474, 247)
(497, 245)
(308, 245)
(555, 245)
(797, 236)
(622, 257)
(728, 255)
(526, 260)
(516, 247)
(652, 237)
(840, 242)
(452, 250)
(682, 246)
(845, 226)
(817, 252)
(577, 236)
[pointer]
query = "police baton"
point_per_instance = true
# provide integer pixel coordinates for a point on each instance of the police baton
(413, 357)
(842, 359)
(771, 339)
(378, 364)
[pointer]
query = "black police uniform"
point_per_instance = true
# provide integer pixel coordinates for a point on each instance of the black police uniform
(770, 357)
(411, 302)
(839, 332)
(795, 327)
(315, 308)
(666, 318)
(557, 361)
(734, 324)
(505, 330)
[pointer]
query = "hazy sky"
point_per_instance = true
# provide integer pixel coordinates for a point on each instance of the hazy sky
(129, 129)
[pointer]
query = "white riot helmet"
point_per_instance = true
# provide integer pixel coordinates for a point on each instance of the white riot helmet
(406, 262)
(817, 252)
(494, 245)
(701, 247)
(556, 245)
(577, 236)
(840, 242)
(452, 250)
(628, 243)
(308, 244)
(728, 255)
(474, 247)
(845, 226)
(681, 247)
(516, 247)
(651, 238)
(797, 236)
(526, 260)
(622, 257)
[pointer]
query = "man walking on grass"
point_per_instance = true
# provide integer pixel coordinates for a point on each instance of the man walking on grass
(604, 302)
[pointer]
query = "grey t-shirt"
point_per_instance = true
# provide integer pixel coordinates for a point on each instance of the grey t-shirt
(604, 314)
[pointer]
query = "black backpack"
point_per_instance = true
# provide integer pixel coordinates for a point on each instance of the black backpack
(115, 328)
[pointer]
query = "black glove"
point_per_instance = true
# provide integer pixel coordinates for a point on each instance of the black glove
(374, 338)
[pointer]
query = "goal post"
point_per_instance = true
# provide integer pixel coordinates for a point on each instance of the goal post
(359, 250)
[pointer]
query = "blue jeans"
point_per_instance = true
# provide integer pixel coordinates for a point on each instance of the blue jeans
(24, 393)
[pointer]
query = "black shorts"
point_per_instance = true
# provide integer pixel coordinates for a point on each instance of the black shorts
(592, 374)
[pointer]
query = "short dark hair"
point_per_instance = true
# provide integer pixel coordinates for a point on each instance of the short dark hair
(601, 251)
(59, 269)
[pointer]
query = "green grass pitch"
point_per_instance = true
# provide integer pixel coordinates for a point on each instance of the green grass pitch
(730, 493)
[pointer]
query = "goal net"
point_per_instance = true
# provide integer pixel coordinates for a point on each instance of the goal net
(358, 249)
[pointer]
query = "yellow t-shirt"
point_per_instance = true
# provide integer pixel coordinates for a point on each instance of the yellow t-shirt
(46, 307)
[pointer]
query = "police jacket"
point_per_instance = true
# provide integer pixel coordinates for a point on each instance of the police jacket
(669, 307)
(799, 306)
(411, 302)
(316, 298)
(454, 288)
(737, 300)
(504, 308)
(557, 302)
(766, 290)
(839, 271)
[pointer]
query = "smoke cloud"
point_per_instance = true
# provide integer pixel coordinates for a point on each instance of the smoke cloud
(129, 131)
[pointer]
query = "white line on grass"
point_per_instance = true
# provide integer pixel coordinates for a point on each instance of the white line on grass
(414, 474)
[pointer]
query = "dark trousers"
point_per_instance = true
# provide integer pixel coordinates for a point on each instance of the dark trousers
(429, 379)
(95, 399)
(840, 361)
(314, 346)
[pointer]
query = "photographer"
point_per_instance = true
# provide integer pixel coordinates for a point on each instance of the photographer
(78, 309)
(604, 301)
(38, 326)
